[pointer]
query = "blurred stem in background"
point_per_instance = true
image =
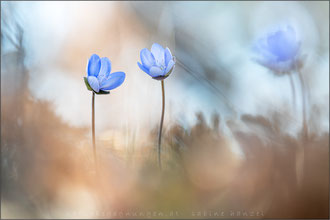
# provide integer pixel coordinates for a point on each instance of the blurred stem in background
(93, 130)
(161, 126)
(303, 93)
(293, 91)
(301, 154)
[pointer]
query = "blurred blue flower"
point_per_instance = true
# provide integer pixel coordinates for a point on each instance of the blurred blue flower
(279, 50)
(99, 78)
(158, 63)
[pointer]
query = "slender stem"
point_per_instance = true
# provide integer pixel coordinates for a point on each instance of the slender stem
(93, 128)
(161, 126)
(293, 90)
(301, 155)
(303, 92)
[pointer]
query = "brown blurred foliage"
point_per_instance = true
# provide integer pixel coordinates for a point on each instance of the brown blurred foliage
(208, 176)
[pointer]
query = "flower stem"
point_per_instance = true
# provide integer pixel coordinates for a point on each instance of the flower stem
(301, 154)
(93, 128)
(293, 91)
(161, 126)
(303, 92)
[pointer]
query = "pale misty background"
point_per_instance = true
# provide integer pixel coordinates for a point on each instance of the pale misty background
(213, 39)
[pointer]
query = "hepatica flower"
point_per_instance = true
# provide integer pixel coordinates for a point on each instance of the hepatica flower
(279, 50)
(99, 79)
(158, 63)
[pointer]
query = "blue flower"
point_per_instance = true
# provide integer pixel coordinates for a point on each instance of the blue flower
(99, 78)
(279, 50)
(158, 63)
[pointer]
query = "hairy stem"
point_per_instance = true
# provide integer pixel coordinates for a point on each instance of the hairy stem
(161, 126)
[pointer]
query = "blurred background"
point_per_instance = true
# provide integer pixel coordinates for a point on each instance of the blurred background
(233, 144)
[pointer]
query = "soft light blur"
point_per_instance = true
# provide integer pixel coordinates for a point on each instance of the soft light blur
(232, 137)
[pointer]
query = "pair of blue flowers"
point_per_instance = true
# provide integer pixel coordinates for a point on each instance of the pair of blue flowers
(158, 63)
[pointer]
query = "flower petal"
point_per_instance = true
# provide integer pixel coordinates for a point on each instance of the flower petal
(168, 56)
(143, 68)
(94, 65)
(105, 69)
(261, 48)
(283, 44)
(155, 71)
(114, 80)
(159, 54)
(147, 58)
(278, 51)
(169, 66)
(277, 45)
(292, 40)
(94, 83)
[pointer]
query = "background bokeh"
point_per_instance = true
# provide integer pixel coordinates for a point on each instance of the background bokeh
(233, 139)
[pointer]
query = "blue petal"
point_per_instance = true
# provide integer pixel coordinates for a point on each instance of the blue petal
(114, 80)
(277, 45)
(155, 71)
(168, 56)
(283, 44)
(159, 54)
(261, 48)
(94, 83)
(169, 66)
(105, 69)
(143, 68)
(94, 65)
(147, 58)
(292, 40)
